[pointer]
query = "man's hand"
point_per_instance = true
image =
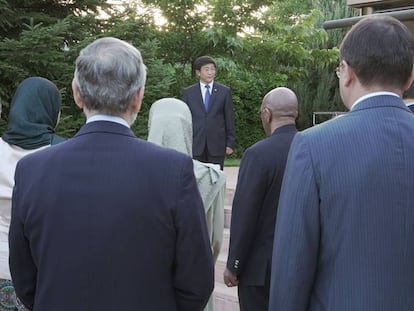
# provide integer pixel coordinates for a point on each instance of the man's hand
(229, 278)
(229, 151)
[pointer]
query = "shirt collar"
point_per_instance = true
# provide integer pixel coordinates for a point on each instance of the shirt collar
(105, 117)
(372, 95)
(202, 85)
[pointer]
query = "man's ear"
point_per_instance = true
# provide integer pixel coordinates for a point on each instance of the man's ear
(267, 115)
(347, 74)
(137, 101)
(409, 81)
(76, 95)
(197, 73)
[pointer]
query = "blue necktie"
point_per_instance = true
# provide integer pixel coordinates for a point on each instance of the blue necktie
(207, 96)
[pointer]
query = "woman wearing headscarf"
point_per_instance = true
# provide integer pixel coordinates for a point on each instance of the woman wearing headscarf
(33, 116)
(170, 125)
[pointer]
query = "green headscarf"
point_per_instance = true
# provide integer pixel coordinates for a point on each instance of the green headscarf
(170, 125)
(34, 114)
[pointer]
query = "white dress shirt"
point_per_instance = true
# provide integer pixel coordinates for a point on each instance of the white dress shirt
(203, 89)
(105, 117)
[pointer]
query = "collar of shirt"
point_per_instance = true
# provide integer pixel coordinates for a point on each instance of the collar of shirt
(372, 95)
(105, 117)
(410, 104)
(203, 86)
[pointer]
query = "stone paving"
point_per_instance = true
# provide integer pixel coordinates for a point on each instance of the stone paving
(225, 298)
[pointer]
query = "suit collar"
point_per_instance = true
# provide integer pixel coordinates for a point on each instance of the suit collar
(105, 127)
(372, 95)
(385, 100)
(284, 129)
(104, 117)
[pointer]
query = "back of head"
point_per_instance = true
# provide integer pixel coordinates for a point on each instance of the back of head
(283, 103)
(203, 60)
(34, 114)
(170, 125)
(109, 73)
(279, 108)
(380, 51)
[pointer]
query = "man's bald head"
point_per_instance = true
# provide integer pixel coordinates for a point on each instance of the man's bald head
(279, 107)
(282, 102)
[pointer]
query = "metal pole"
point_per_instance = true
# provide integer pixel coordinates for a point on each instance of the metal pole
(403, 15)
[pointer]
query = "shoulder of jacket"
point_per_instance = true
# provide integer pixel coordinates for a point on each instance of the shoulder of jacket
(195, 85)
(220, 85)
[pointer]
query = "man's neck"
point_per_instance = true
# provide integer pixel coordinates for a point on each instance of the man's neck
(275, 125)
(95, 115)
(360, 91)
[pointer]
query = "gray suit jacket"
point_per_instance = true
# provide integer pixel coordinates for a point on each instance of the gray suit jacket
(344, 237)
(214, 127)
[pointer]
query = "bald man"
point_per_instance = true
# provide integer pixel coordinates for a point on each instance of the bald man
(256, 199)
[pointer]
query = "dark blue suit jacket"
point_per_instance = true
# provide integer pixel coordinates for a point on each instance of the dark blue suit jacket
(344, 237)
(106, 221)
(214, 127)
(254, 207)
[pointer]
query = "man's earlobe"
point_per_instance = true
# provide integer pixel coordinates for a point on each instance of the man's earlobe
(409, 81)
(76, 95)
(137, 102)
(348, 74)
(267, 114)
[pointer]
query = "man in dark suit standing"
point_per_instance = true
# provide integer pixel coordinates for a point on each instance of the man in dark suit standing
(211, 106)
(344, 237)
(108, 221)
(255, 202)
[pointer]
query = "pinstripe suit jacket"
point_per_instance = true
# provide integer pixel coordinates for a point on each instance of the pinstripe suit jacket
(344, 237)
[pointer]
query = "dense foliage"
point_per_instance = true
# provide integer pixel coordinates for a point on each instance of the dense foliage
(258, 45)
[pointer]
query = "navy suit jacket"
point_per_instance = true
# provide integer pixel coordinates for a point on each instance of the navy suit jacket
(254, 207)
(214, 127)
(106, 221)
(344, 237)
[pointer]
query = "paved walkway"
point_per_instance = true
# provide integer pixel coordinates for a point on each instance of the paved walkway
(225, 298)
(231, 176)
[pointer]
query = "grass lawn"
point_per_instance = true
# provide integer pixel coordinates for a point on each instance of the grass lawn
(231, 161)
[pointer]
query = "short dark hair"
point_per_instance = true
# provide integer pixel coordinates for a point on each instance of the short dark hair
(380, 51)
(203, 60)
(409, 93)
